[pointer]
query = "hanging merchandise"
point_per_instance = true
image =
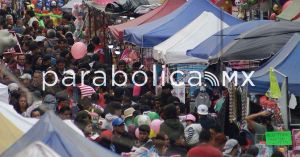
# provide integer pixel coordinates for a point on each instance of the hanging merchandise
(78, 13)
(282, 104)
(60, 3)
(271, 105)
(274, 91)
(39, 4)
(293, 102)
(232, 103)
(48, 5)
(129, 56)
(219, 104)
(244, 99)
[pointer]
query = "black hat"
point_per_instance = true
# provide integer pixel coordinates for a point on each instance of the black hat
(167, 86)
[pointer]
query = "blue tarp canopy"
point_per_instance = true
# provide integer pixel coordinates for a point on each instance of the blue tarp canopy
(53, 132)
(218, 41)
(259, 43)
(153, 33)
(286, 62)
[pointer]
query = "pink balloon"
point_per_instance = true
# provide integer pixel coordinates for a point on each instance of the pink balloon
(155, 125)
(273, 16)
(286, 4)
(137, 133)
(78, 50)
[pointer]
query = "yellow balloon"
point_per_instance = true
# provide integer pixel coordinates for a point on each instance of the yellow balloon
(152, 134)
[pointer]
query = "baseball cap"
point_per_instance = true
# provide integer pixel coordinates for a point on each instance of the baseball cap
(202, 109)
(230, 144)
(190, 117)
(13, 87)
(69, 72)
(128, 112)
(106, 134)
(40, 38)
(117, 122)
(26, 76)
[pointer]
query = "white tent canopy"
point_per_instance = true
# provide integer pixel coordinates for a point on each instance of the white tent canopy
(24, 124)
(37, 149)
(173, 50)
(68, 7)
(4, 93)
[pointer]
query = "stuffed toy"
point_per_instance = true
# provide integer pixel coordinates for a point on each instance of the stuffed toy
(7, 40)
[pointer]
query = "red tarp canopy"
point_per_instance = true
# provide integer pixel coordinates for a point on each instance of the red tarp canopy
(166, 8)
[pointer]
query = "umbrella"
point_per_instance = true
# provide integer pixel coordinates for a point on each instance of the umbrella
(258, 44)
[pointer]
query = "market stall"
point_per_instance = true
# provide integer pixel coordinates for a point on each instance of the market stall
(153, 33)
(259, 43)
(221, 39)
(165, 9)
(173, 49)
(59, 137)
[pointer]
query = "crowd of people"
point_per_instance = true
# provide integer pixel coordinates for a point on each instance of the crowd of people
(115, 118)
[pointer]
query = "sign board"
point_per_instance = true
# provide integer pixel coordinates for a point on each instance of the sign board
(280, 138)
(186, 68)
(264, 150)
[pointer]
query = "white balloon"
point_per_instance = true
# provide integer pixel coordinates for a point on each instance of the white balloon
(143, 119)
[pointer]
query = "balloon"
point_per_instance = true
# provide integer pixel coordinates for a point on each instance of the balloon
(136, 120)
(153, 115)
(78, 50)
(144, 119)
(155, 125)
(137, 133)
(152, 134)
(273, 16)
(286, 4)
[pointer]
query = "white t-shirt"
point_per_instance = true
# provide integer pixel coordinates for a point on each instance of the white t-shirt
(191, 133)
